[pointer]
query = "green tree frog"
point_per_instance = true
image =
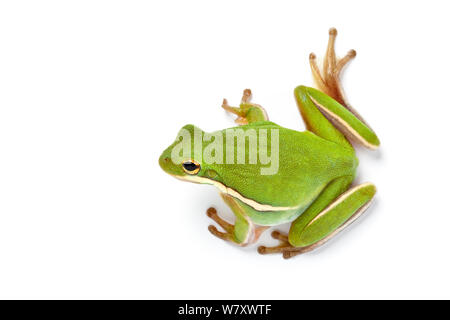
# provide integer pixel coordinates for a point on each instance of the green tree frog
(310, 185)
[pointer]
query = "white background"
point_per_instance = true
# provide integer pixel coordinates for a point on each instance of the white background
(91, 92)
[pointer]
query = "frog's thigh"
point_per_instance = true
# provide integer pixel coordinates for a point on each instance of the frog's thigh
(327, 223)
(243, 227)
(328, 119)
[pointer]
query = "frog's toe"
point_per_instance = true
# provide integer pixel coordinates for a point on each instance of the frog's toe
(327, 78)
(227, 227)
(221, 235)
(289, 254)
(279, 236)
(295, 251)
(278, 249)
(247, 112)
(285, 248)
(212, 213)
(261, 249)
(246, 96)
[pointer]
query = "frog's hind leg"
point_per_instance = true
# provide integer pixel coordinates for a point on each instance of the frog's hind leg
(290, 251)
(243, 232)
(356, 215)
(322, 222)
(328, 79)
(247, 112)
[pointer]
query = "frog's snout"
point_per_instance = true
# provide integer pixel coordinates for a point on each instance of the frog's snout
(163, 161)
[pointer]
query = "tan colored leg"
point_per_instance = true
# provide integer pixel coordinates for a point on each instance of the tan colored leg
(228, 108)
(257, 231)
(280, 236)
(285, 248)
(221, 235)
(328, 79)
(212, 213)
(331, 73)
(329, 61)
(228, 227)
(240, 120)
(254, 232)
(246, 110)
(340, 65)
(246, 96)
(316, 73)
(284, 244)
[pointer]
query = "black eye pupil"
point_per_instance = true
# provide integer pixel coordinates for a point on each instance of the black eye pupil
(189, 166)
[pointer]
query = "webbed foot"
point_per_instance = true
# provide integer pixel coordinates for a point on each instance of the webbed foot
(284, 247)
(328, 78)
(228, 227)
(247, 233)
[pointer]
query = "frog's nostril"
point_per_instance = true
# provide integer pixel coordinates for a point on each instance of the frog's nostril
(166, 159)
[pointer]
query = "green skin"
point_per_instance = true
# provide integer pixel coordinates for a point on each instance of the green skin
(316, 166)
(312, 186)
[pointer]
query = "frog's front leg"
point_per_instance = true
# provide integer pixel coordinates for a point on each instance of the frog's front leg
(324, 218)
(247, 112)
(243, 232)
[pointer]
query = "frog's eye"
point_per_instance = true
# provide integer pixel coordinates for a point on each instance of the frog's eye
(191, 167)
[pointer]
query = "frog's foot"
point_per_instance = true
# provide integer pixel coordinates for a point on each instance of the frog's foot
(351, 204)
(228, 227)
(285, 247)
(284, 244)
(251, 232)
(247, 112)
(328, 79)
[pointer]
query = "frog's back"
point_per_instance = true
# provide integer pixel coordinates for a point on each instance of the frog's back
(306, 164)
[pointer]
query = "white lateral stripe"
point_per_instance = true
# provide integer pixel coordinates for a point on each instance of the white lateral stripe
(345, 124)
(339, 200)
(222, 188)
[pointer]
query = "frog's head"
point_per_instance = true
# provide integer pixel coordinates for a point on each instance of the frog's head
(180, 160)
